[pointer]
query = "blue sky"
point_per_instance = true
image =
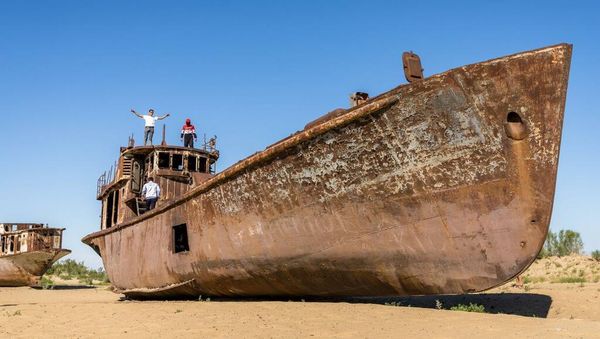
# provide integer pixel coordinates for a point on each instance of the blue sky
(251, 73)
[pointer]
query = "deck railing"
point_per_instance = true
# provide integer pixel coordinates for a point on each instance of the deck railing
(107, 178)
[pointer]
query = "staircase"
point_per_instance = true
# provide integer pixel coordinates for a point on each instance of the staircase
(137, 205)
(140, 206)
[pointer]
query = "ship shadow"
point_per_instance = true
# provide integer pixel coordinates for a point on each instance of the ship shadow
(64, 287)
(522, 304)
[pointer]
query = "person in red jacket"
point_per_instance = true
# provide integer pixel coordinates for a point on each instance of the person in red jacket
(188, 134)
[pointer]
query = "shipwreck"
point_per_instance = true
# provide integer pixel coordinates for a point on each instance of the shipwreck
(27, 252)
(442, 185)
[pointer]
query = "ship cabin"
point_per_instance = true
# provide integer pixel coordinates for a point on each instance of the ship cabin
(175, 169)
(16, 238)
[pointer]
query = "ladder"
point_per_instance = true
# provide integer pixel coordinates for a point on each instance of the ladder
(140, 206)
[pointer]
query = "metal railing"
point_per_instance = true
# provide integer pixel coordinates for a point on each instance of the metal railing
(107, 178)
(210, 145)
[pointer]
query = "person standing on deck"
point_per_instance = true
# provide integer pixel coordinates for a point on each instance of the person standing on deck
(151, 193)
(188, 134)
(150, 121)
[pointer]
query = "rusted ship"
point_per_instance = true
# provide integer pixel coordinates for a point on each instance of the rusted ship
(28, 251)
(442, 185)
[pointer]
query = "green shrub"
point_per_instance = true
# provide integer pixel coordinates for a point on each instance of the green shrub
(392, 303)
(69, 269)
(565, 242)
(569, 280)
(596, 255)
(46, 283)
(468, 308)
(86, 281)
(529, 280)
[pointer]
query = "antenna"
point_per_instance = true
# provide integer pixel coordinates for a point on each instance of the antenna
(164, 142)
(131, 141)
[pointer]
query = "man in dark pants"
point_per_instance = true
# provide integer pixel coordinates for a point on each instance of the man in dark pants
(150, 121)
(151, 193)
(188, 134)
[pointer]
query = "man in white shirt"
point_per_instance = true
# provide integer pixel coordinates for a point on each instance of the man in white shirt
(150, 121)
(151, 193)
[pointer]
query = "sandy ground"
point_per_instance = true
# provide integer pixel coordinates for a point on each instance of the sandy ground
(540, 309)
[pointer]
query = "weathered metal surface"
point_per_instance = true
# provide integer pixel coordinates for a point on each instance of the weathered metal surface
(426, 189)
(27, 251)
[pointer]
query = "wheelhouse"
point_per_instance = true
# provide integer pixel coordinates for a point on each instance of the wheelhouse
(175, 169)
(18, 238)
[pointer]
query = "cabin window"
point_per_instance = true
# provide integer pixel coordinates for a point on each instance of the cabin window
(109, 211)
(180, 239)
(192, 163)
(202, 165)
(163, 160)
(178, 162)
(116, 208)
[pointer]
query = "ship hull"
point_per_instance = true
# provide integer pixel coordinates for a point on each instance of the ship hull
(426, 189)
(26, 269)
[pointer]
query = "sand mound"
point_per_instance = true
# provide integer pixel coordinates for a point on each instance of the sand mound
(568, 269)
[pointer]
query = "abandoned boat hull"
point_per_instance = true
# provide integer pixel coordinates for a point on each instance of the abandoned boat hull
(426, 189)
(26, 269)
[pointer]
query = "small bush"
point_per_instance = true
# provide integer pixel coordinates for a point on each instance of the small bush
(393, 303)
(533, 280)
(70, 269)
(468, 308)
(596, 255)
(569, 280)
(16, 313)
(86, 281)
(46, 283)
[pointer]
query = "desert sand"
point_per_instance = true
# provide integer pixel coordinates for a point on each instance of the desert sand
(541, 308)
